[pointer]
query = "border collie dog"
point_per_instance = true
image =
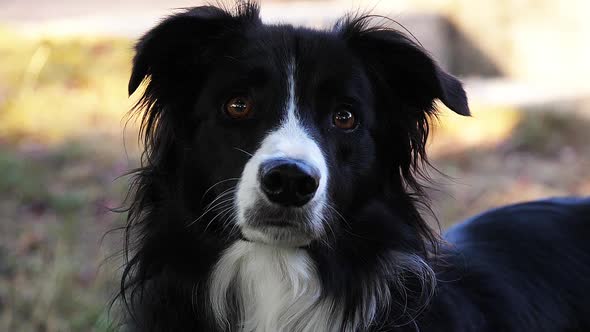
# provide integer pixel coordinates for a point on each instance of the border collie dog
(279, 191)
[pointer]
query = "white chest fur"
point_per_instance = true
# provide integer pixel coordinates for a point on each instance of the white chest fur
(277, 289)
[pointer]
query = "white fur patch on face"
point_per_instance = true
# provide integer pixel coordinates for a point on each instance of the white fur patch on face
(290, 140)
(277, 290)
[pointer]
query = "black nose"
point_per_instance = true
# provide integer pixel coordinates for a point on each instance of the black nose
(289, 182)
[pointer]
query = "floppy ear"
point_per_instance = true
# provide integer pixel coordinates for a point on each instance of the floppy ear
(172, 52)
(404, 66)
(406, 83)
(173, 58)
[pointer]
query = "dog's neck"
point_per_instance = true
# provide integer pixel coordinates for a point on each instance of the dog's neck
(258, 287)
(276, 289)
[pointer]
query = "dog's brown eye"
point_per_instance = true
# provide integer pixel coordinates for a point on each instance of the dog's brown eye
(344, 119)
(238, 107)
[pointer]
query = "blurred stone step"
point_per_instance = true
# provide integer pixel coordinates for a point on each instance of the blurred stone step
(531, 96)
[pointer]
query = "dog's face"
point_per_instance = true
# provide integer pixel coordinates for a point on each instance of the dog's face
(285, 130)
(313, 136)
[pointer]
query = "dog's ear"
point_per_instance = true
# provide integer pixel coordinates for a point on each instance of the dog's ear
(403, 66)
(169, 53)
(406, 82)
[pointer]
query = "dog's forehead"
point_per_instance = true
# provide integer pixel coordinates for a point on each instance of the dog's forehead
(297, 50)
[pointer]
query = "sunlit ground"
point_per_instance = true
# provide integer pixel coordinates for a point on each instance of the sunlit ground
(62, 107)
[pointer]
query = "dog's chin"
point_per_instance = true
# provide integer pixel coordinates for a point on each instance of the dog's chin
(278, 236)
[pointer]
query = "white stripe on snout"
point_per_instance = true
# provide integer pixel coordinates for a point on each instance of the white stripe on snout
(290, 140)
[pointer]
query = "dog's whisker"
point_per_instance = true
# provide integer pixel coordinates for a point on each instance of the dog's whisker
(244, 151)
(216, 184)
(222, 198)
(217, 205)
(327, 227)
(205, 212)
(226, 217)
(235, 229)
(347, 227)
(224, 193)
(328, 224)
(229, 220)
(338, 213)
(215, 217)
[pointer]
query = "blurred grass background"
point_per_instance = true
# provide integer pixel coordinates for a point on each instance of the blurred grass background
(62, 102)
(63, 146)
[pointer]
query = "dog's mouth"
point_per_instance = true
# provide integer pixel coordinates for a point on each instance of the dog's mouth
(279, 226)
(279, 236)
(281, 223)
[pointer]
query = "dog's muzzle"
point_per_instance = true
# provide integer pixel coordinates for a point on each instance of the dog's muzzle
(286, 203)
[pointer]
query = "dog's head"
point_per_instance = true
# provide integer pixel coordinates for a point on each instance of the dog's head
(282, 134)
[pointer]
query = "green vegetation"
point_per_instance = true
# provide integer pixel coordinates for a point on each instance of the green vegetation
(54, 212)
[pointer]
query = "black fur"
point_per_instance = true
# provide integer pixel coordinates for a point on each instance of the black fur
(518, 268)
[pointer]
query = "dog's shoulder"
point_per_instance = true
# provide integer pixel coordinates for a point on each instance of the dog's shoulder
(564, 221)
(532, 258)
